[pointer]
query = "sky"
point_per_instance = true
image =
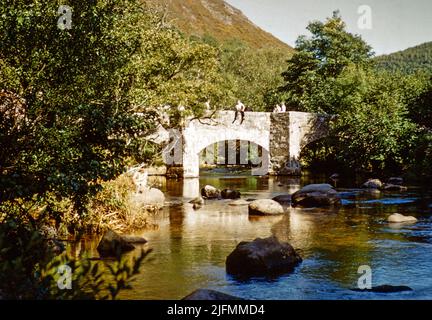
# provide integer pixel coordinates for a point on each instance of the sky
(389, 26)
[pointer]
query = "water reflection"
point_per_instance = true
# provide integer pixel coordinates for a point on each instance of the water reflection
(190, 246)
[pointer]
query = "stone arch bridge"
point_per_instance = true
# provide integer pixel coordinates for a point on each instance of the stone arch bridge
(280, 135)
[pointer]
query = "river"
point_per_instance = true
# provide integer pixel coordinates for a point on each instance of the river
(190, 246)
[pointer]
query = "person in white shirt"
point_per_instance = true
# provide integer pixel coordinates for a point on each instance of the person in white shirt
(283, 107)
(240, 108)
(207, 105)
(277, 109)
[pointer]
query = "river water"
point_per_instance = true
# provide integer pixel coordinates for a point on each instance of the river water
(190, 246)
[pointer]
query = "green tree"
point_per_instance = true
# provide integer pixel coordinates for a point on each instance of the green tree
(251, 75)
(69, 97)
(373, 132)
(332, 72)
(319, 60)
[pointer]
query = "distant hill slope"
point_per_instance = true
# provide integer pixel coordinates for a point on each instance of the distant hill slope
(409, 60)
(217, 19)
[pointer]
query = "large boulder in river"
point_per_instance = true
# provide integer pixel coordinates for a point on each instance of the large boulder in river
(262, 257)
(206, 294)
(316, 195)
(112, 245)
(210, 192)
(230, 194)
(373, 184)
(399, 218)
(265, 207)
(283, 199)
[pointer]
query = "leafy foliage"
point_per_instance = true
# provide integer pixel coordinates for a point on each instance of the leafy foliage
(374, 127)
(409, 61)
(314, 69)
(29, 269)
(73, 94)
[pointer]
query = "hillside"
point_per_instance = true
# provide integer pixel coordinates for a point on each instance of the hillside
(217, 19)
(409, 60)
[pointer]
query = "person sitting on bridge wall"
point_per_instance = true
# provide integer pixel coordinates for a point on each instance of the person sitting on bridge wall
(240, 108)
(280, 108)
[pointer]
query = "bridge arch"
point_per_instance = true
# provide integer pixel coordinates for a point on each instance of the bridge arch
(281, 135)
(199, 134)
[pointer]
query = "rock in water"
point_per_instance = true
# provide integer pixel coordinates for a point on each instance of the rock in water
(230, 194)
(112, 245)
(396, 180)
(206, 294)
(210, 192)
(394, 187)
(264, 207)
(385, 289)
(262, 257)
(316, 195)
(373, 184)
(198, 201)
(134, 239)
(399, 218)
(283, 199)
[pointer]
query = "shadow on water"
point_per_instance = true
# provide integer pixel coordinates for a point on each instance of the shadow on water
(190, 246)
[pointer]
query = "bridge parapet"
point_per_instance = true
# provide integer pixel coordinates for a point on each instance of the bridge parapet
(281, 136)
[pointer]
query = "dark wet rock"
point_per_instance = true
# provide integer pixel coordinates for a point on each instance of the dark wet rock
(385, 289)
(206, 294)
(196, 206)
(394, 187)
(316, 195)
(264, 207)
(112, 244)
(210, 192)
(250, 199)
(280, 184)
(396, 180)
(230, 194)
(198, 200)
(283, 199)
(399, 218)
(262, 257)
(373, 184)
(134, 239)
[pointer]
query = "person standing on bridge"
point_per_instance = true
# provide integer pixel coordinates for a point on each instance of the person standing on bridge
(240, 108)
